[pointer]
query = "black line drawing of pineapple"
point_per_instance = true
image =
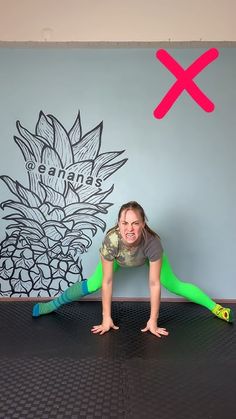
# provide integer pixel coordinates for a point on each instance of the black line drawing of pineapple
(58, 214)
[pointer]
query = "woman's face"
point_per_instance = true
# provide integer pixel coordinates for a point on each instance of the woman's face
(131, 226)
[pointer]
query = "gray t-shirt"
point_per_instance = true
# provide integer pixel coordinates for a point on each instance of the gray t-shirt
(113, 247)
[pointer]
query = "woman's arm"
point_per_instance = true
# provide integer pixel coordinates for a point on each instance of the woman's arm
(155, 298)
(107, 268)
(155, 289)
(107, 322)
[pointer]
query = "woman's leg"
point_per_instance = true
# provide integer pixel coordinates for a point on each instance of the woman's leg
(190, 291)
(74, 292)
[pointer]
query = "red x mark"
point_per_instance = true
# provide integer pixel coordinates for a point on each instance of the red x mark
(185, 81)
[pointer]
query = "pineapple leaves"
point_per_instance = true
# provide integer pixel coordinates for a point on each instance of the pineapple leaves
(29, 213)
(30, 197)
(35, 144)
(89, 146)
(83, 167)
(82, 206)
(51, 212)
(53, 197)
(71, 195)
(104, 158)
(62, 143)
(14, 217)
(76, 131)
(33, 225)
(83, 225)
(73, 240)
(50, 158)
(12, 185)
(44, 129)
(28, 156)
(85, 191)
(25, 149)
(29, 234)
(98, 197)
(108, 170)
(105, 205)
(54, 230)
(80, 218)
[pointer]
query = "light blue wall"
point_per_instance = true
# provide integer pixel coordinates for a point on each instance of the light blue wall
(180, 168)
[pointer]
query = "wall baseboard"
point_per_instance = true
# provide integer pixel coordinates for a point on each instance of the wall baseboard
(120, 299)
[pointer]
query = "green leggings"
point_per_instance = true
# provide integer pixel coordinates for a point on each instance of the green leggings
(94, 283)
(184, 289)
(168, 280)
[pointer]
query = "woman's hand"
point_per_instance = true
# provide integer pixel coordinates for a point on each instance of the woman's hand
(154, 329)
(104, 327)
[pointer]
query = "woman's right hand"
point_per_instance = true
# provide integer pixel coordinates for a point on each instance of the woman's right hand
(104, 327)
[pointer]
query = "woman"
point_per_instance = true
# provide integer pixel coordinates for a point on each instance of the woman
(132, 243)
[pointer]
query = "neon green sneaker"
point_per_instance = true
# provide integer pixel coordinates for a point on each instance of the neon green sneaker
(223, 313)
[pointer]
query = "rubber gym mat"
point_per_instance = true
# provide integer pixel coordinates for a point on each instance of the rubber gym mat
(53, 367)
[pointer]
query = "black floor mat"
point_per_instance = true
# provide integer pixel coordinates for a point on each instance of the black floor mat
(53, 367)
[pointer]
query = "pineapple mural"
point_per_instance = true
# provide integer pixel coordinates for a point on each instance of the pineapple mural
(54, 218)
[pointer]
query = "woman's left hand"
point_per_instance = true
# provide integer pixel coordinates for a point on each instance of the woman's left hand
(154, 329)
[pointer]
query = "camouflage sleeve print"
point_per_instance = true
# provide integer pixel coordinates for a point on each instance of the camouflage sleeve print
(109, 248)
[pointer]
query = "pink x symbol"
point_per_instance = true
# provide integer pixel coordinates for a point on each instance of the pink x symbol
(185, 81)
